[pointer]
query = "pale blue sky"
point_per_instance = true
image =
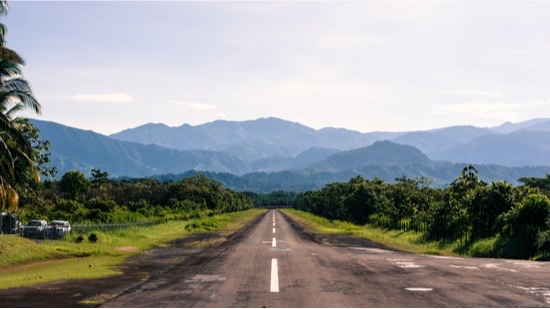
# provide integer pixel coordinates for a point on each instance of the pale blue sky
(362, 65)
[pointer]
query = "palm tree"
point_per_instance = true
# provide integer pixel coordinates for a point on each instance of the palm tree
(17, 155)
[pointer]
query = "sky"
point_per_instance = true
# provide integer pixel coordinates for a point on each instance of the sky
(367, 66)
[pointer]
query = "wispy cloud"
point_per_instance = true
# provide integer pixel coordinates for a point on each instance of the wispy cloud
(491, 94)
(106, 97)
(482, 110)
(195, 106)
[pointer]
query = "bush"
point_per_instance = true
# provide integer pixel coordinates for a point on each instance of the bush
(92, 238)
(512, 247)
(100, 203)
(543, 243)
(483, 248)
(79, 239)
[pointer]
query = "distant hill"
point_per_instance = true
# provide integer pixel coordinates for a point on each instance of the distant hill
(438, 140)
(251, 139)
(269, 139)
(379, 153)
(274, 153)
(513, 149)
(537, 124)
(75, 149)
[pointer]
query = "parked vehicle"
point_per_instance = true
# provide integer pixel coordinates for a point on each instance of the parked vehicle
(58, 229)
(35, 229)
(9, 223)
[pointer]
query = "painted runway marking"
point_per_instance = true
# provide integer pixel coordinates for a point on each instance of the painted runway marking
(419, 289)
(465, 267)
(274, 242)
(273, 230)
(498, 268)
(372, 250)
(405, 263)
(274, 276)
(543, 291)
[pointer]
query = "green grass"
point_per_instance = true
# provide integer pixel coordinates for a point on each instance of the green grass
(403, 241)
(26, 262)
(59, 269)
(17, 250)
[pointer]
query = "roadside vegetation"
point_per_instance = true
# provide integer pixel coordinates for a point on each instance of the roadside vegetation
(469, 217)
(102, 200)
(407, 241)
(27, 262)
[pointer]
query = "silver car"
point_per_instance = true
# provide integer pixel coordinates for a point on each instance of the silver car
(35, 229)
(58, 229)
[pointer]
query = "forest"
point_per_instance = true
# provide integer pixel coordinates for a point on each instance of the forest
(102, 200)
(514, 220)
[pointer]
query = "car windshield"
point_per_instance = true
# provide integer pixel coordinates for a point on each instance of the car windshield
(34, 223)
(58, 223)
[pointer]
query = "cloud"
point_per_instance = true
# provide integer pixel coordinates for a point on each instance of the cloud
(347, 41)
(475, 93)
(107, 97)
(196, 106)
(496, 110)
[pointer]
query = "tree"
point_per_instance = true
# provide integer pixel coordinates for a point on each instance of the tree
(18, 157)
(73, 184)
(449, 217)
(99, 178)
(526, 225)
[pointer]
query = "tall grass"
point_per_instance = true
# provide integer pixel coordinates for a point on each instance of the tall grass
(409, 241)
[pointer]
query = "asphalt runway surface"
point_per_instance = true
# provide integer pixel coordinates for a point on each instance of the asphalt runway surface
(273, 262)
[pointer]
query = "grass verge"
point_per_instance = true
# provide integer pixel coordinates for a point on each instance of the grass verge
(25, 262)
(403, 241)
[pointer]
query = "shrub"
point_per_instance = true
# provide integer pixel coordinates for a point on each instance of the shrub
(79, 239)
(92, 238)
(483, 248)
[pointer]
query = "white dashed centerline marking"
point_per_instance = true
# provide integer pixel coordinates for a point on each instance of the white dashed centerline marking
(274, 276)
(274, 242)
(273, 230)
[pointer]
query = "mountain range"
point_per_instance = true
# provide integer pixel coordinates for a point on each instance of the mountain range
(272, 152)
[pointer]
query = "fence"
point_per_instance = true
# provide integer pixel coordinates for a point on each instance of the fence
(85, 228)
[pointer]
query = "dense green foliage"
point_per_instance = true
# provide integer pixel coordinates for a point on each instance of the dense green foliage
(276, 198)
(100, 200)
(517, 219)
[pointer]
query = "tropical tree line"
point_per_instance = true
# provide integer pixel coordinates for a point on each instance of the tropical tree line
(99, 199)
(272, 199)
(514, 219)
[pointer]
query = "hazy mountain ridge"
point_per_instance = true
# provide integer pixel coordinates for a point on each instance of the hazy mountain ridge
(269, 156)
(222, 135)
(82, 150)
(268, 138)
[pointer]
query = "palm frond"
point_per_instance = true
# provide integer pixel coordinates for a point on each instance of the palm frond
(17, 91)
(14, 110)
(9, 70)
(9, 199)
(6, 53)
(3, 7)
(3, 32)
